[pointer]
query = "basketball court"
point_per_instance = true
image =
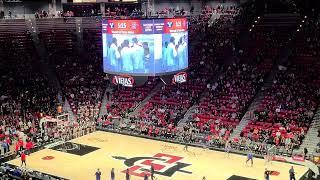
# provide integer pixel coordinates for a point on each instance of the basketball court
(79, 159)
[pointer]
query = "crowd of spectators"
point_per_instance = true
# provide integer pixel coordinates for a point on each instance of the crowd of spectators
(26, 97)
(124, 100)
(26, 93)
(280, 119)
(122, 11)
(45, 14)
(41, 14)
(159, 117)
(92, 11)
(11, 172)
(309, 46)
(219, 94)
(220, 9)
(169, 104)
(82, 82)
(228, 98)
(225, 103)
(284, 115)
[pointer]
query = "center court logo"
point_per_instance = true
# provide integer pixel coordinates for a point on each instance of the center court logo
(48, 158)
(164, 164)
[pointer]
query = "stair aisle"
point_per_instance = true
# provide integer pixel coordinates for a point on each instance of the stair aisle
(142, 103)
(311, 138)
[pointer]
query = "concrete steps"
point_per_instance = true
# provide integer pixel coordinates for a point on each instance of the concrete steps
(255, 103)
(245, 119)
(144, 102)
(187, 116)
(311, 138)
(103, 109)
(67, 108)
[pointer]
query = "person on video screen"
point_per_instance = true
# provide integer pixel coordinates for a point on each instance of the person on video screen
(164, 55)
(181, 51)
(138, 55)
(172, 54)
(113, 53)
(185, 40)
(126, 53)
(146, 55)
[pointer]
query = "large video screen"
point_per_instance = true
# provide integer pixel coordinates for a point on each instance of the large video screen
(145, 47)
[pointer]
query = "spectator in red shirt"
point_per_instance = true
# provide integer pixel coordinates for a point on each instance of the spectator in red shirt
(17, 148)
(29, 146)
(23, 159)
(20, 142)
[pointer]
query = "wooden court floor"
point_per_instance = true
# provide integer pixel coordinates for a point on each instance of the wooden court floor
(80, 158)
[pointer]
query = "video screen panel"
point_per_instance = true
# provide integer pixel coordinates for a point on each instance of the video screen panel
(145, 47)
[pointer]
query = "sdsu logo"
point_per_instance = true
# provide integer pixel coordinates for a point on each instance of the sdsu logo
(179, 78)
(164, 164)
(127, 81)
(122, 25)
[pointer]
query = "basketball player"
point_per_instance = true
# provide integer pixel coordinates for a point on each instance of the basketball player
(146, 177)
(127, 175)
(98, 174)
(23, 159)
(250, 158)
(185, 147)
(152, 172)
(266, 174)
(227, 148)
(112, 175)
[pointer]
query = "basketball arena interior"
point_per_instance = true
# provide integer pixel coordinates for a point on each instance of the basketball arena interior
(159, 89)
